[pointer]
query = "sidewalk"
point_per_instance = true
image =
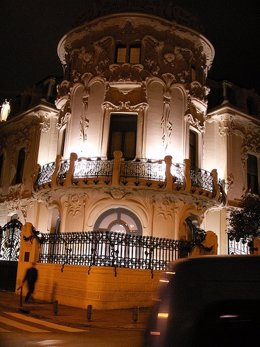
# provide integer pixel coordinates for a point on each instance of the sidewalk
(76, 317)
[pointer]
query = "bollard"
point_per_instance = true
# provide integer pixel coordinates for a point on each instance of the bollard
(89, 312)
(55, 307)
(135, 314)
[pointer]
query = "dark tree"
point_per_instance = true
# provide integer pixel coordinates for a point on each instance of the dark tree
(244, 223)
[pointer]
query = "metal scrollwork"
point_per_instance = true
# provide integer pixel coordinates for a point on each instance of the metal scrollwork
(10, 240)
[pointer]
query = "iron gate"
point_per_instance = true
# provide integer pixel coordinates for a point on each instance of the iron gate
(10, 236)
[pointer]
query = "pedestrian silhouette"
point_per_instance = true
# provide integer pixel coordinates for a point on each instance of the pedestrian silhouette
(30, 277)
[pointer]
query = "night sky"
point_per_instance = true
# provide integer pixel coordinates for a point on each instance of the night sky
(31, 29)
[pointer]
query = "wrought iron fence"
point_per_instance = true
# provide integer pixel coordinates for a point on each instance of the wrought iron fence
(111, 249)
(143, 168)
(10, 236)
(63, 170)
(89, 168)
(239, 247)
(178, 173)
(45, 174)
(201, 178)
(134, 171)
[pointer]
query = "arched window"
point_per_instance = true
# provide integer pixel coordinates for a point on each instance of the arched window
(119, 220)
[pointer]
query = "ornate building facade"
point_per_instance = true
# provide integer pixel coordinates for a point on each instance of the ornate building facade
(128, 144)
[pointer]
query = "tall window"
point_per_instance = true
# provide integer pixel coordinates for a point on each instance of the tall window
(193, 150)
(1, 167)
(252, 174)
(128, 54)
(122, 135)
(20, 166)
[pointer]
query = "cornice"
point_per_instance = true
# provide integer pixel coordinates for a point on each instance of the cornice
(228, 110)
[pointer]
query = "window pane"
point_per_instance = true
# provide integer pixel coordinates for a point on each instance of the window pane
(108, 220)
(116, 141)
(121, 55)
(134, 55)
(129, 145)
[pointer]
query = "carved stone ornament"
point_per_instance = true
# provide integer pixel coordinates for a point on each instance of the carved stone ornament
(74, 204)
(117, 194)
(124, 106)
(225, 125)
(93, 58)
(166, 124)
(45, 123)
(251, 143)
(64, 115)
(198, 91)
(63, 89)
(162, 57)
(230, 181)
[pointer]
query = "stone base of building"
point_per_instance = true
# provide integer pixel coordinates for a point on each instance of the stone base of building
(101, 287)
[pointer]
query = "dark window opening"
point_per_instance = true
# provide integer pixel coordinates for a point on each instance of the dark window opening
(20, 166)
(193, 149)
(252, 174)
(122, 135)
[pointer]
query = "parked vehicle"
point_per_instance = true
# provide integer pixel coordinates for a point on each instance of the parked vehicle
(209, 301)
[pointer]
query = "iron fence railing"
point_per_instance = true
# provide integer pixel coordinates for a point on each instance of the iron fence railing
(135, 171)
(143, 168)
(47, 171)
(10, 235)
(63, 170)
(201, 178)
(239, 247)
(89, 168)
(178, 173)
(114, 249)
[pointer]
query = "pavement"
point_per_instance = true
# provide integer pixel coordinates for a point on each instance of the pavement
(135, 318)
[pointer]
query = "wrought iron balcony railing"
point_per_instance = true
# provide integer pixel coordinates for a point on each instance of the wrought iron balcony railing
(162, 174)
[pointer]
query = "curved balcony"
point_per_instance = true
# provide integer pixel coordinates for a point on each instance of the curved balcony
(156, 174)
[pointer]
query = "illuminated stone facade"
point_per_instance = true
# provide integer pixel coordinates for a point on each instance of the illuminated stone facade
(129, 145)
